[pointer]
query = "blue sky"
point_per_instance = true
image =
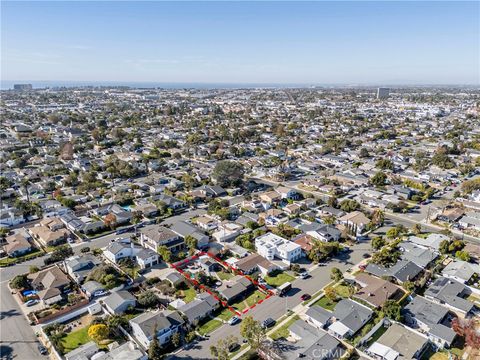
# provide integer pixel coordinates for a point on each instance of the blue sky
(242, 42)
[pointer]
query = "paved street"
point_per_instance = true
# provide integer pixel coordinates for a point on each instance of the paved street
(17, 340)
(276, 306)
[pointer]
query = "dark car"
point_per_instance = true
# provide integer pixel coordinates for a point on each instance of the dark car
(233, 347)
(366, 255)
(305, 297)
(268, 323)
(42, 349)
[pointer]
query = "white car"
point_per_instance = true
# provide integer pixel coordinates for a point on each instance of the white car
(31, 302)
(233, 320)
(304, 275)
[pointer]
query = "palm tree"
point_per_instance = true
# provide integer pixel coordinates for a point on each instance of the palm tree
(378, 217)
(25, 183)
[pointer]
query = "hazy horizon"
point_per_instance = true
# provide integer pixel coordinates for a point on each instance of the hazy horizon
(309, 43)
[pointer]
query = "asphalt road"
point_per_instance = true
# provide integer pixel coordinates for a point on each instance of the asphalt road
(275, 307)
(17, 340)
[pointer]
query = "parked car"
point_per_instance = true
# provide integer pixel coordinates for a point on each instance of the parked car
(305, 297)
(304, 275)
(233, 347)
(234, 320)
(31, 302)
(269, 322)
(366, 255)
(42, 349)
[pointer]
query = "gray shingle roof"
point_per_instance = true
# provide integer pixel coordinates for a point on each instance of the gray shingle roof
(148, 321)
(352, 314)
(118, 298)
(312, 344)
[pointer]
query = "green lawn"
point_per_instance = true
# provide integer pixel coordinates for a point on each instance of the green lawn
(282, 331)
(279, 279)
(188, 295)
(209, 326)
(225, 315)
(342, 291)
(224, 275)
(326, 303)
(75, 339)
(253, 298)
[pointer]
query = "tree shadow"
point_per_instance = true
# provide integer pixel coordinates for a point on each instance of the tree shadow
(6, 352)
(9, 313)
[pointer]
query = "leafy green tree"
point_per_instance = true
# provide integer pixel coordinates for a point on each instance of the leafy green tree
(462, 255)
(165, 253)
(191, 243)
(336, 274)
(456, 245)
(19, 282)
(386, 256)
(253, 332)
(148, 299)
(349, 205)
(443, 248)
(330, 293)
(322, 250)
(392, 310)
(332, 202)
(393, 233)
(379, 179)
(190, 336)
(221, 350)
(176, 339)
(384, 164)
(115, 321)
(228, 173)
(155, 351)
(408, 285)
(378, 242)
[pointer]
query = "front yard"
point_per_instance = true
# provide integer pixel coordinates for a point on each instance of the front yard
(253, 298)
(326, 303)
(278, 279)
(282, 331)
(342, 292)
(225, 315)
(209, 326)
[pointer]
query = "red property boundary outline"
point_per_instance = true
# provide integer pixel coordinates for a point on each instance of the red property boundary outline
(178, 264)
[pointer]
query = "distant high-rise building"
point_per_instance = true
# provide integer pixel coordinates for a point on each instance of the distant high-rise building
(22, 87)
(382, 93)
